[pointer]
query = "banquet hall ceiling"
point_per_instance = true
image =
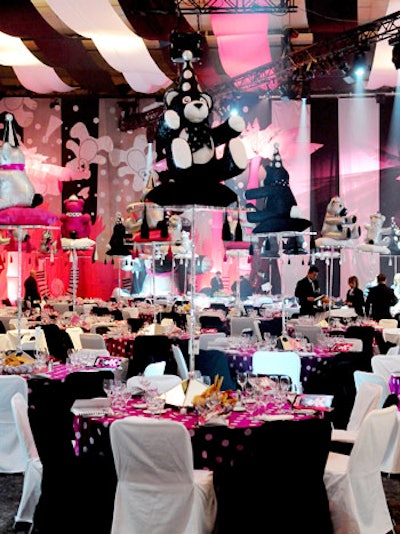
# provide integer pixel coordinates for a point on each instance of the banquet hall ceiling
(295, 29)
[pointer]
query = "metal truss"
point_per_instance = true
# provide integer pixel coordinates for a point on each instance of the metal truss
(320, 58)
(202, 7)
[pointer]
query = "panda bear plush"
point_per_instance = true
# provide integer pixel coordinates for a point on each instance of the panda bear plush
(188, 142)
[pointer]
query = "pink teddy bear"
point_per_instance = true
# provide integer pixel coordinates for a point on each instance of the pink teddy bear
(74, 223)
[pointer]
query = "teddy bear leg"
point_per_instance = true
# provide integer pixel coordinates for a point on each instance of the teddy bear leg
(238, 153)
(181, 154)
(355, 232)
(37, 200)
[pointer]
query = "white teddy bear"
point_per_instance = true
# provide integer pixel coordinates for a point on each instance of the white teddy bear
(15, 186)
(374, 240)
(338, 226)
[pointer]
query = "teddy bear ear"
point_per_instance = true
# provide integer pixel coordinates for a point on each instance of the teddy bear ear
(10, 134)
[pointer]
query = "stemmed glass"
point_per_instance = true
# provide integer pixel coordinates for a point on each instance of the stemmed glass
(108, 386)
(241, 377)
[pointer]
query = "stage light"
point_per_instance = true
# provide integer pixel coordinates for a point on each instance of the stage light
(359, 66)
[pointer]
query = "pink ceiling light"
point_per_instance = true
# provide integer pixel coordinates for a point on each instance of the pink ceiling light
(123, 50)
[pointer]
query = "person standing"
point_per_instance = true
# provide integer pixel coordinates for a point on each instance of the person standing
(259, 281)
(216, 283)
(308, 293)
(355, 296)
(32, 295)
(379, 300)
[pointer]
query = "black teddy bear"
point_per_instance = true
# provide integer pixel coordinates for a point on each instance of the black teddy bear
(188, 142)
(118, 245)
(279, 212)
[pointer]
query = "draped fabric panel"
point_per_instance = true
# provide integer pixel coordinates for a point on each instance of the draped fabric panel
(359, 177)
(55, 48)
(31, 73)
(242, 41)
(121, 48)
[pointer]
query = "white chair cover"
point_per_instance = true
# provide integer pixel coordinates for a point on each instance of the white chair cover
(92, 341)
(388, 323)
(127, 313)
(357, 499)
(12, 457)
(368, 398)
(74, 333)
(206, 339)
(158, 490)
(238, 324)
(372, 378)
(31, 488)
(313, 333)
(140, 384)
(279, 363)
(181, 364)
(385, 365)
(155, 369)
(28, 339)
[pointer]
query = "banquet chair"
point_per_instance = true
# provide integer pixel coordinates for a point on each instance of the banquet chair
(207, 339)
(92, 341)
(214, 322)
(385, 365)
(154, 369)
(354, 483)
(368, 398)
(135, 323)
(367, 334)
(74, 333)
(31, 487)
(181, 364)
(388, 323)
(57, 340)
(372, 378)
(313, 333)
(28, 339)
(278, 363)
(213, 363)
(128, 313)
(12, 457)
(150, 349)
(84, 385)
(238, 324)
(158, 490)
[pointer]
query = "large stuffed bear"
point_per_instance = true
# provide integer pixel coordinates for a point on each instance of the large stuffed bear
(338, 227)
(188, 142)
(74, 223)
(279, 211)
(377, 238)
(15, 186)
(119, 245)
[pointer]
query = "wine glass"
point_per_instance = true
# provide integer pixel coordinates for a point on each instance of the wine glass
(108, 386)
(241, 377)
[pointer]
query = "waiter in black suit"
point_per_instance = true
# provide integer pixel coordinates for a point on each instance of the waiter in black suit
(308, 293)
(379, 300)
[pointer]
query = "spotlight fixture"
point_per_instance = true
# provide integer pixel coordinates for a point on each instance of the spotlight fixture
(359, 65)
(179, 42)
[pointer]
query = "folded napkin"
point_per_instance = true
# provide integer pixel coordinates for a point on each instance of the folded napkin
(216, 421)
(276, 417)
(96, 406)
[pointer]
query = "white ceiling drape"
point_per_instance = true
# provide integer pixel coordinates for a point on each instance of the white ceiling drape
(31, 73)
(123, 50)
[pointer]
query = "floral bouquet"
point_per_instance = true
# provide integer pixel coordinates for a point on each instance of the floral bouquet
(213, 402)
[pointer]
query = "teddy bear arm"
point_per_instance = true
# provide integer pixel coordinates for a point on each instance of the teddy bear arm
(224, 132)
(259, 192)
(172, 120)
(335, 220)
